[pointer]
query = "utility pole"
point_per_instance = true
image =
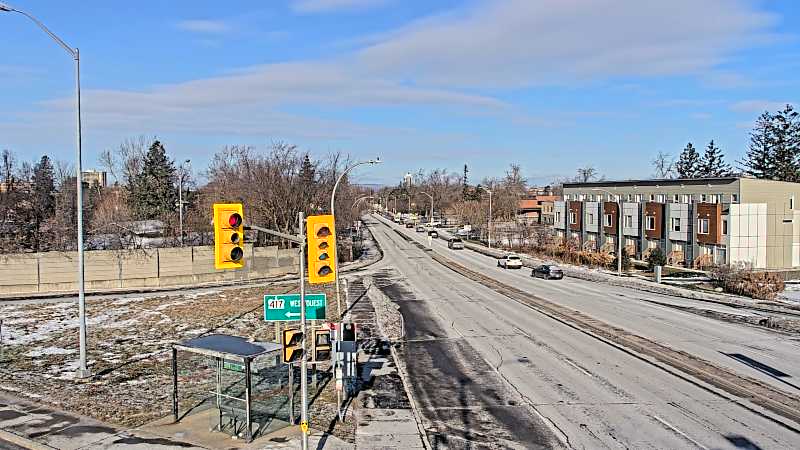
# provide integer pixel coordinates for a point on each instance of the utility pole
(180, 198)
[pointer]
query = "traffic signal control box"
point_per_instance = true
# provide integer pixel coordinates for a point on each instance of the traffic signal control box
(228, 236)
(322, 345)
(321, 238)
(292, 345)
(346, 338)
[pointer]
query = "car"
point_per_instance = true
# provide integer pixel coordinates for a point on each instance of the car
(510, 261)
(409, 225)
(420, 229)
(455, 244)
(434, 234)
(548, 272)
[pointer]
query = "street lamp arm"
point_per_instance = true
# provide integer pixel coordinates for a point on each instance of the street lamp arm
(72, 51)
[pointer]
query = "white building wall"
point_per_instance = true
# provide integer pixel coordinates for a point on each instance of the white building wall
(747, 227)
(631, 209)
(560, 214)
(593, 209)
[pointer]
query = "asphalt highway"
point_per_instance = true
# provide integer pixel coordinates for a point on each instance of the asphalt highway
(488, 372)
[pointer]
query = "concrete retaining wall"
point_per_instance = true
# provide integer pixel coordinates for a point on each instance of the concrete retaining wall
(54, 272)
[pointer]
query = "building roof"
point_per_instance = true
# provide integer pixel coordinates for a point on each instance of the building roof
(657, 182)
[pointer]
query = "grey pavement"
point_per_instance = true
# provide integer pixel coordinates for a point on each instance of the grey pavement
(482, 364)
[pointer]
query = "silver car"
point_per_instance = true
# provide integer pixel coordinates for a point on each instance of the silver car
(455, 244)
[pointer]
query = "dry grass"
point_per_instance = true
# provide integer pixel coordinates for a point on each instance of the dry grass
(744, 281)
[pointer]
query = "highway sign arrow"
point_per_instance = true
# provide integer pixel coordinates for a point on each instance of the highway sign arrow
(286, 307)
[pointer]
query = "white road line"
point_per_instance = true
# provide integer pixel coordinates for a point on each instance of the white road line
(669, 425)
(578, 367)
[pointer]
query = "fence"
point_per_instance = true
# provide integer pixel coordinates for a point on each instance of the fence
(54, 272)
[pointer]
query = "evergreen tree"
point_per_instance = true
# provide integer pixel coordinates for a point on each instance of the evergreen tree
(758, 161)
(465, 187)
(154, 195)
(688, 165)
(307, 172)
(42, 199)
(786, 144)
(713, 162)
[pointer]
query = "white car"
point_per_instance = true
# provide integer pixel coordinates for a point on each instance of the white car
(510, 261)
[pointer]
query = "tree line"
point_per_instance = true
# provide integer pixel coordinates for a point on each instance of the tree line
(38, 210)
(773, 153)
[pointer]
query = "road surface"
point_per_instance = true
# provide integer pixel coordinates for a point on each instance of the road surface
(486, 371)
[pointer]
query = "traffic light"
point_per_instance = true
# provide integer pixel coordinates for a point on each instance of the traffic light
(292, 345)
(228, 236)
(322, 345)
(321, 238)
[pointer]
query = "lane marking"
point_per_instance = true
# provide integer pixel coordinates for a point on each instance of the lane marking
(578, 367)
(685, 436)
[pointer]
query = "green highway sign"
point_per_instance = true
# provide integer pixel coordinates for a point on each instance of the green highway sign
(286, 307)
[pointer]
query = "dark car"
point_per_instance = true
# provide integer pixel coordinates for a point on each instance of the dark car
(434, 234)
(548, 272)
(409, 225)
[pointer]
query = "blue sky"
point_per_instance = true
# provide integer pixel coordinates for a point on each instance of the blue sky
(548, 84)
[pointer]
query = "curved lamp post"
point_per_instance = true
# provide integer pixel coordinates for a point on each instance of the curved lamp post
(430, 220)
(83, 371)
(333, 213)
(619, 228)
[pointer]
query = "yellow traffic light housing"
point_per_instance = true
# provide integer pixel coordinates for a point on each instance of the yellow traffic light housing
(322, 345)
(321, 238)
(292, 345)
(228, 236)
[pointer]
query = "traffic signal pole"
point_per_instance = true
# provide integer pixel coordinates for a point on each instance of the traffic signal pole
(303, 362)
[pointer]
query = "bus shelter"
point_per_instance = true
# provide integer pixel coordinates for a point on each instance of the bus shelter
(231, 359)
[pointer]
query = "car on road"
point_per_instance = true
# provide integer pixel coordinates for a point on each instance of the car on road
(409, 225)
(548, 272)
(510, 261)
(420, 229)
(455, 244)
(434, 234)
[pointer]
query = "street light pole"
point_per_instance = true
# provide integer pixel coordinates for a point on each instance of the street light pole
(333, 213)
(619, 229)
(431, 197)
(83, 371)
(180, 198)
(489, 224)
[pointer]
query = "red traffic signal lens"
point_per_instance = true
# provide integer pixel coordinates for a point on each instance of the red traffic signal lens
(323, 232)
(237, 253)
(235, 220)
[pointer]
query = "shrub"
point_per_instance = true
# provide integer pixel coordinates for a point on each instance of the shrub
(626, 261)
(741, 280)
(656, 258)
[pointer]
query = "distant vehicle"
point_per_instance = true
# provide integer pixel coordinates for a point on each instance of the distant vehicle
(434, 234)
(420, 229)
(455, 244)
(510, 261)
(462, 232)
(548, 272)
(409, 225)
(396, 218)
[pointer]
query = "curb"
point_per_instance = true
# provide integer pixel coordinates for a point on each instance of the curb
(23, 441)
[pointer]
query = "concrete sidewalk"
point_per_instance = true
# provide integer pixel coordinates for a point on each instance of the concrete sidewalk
(24, 424)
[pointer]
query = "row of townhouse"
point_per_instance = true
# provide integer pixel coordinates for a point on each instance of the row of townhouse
(695, 222)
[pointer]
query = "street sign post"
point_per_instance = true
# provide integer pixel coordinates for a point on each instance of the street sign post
(286, 307)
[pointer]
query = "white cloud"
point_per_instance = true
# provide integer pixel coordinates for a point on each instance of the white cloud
(758, 106)
(203, 26)
(518, 43)
(318, 6)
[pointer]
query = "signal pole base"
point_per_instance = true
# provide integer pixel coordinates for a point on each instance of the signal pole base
(82, 374)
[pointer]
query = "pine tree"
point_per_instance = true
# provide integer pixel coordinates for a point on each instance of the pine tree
(758, 161)
(465, 187)
(307, 172)
(154, 195)
(786, 144)
(688, 165)
(713, 163)
(42, 199)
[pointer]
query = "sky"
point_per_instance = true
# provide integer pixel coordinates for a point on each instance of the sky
(551, 85)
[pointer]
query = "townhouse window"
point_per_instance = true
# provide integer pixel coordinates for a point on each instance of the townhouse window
(791, 202)
(734, 198)
(638, 198)
(675, 198)
(591, 219)
(661, 198)
(676, 224)
(573, 218)
(725, 226)
(608, 220)
(686, 198)
(650, 223)
(558, 216)
(702, 226)
(629, 221)
(652, 244)
(581, 197)
(630, 197)
(566, 196)
(652, 197)
(703, 198)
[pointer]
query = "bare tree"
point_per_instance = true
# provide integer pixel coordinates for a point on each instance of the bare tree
(663, 165)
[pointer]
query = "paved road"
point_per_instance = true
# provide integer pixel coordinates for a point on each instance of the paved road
(488, 372)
